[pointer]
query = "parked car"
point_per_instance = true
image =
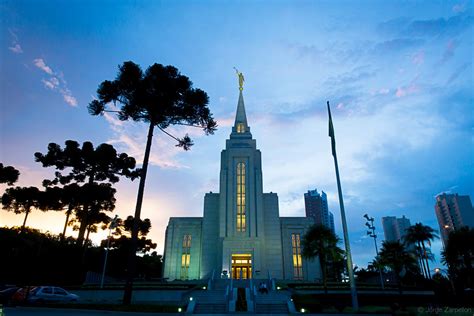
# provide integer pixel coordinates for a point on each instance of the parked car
(6, 294)
(19, 297)
(43, 294)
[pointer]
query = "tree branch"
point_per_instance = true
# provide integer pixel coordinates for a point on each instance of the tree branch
(175, 138)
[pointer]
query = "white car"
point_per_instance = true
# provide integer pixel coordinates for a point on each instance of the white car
(43, 294)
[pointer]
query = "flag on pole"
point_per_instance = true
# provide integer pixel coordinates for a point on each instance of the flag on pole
(331, 133)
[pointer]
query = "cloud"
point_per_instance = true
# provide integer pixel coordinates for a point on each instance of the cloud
(392, 27)
(72, 101)
(449, 51)
(397, 45)
(163, 152)
(437, 27)
(458, 72)
(55, 82)
(16, 47)
(407, 90)
(39, 62)
(459, 8)
(418, 58)
(51, 83)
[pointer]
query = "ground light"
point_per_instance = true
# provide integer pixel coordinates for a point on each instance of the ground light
(203, 287)
(302, 310)
(278, 288)
(179, 309)
(191, 298)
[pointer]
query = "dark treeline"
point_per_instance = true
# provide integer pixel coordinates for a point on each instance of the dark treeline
(34, 258)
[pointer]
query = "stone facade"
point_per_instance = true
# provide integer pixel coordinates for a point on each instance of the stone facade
(240, 234)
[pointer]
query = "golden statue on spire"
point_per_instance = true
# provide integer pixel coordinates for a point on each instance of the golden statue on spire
(241, 79)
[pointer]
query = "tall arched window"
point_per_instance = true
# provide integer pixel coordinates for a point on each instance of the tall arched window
(241, 222)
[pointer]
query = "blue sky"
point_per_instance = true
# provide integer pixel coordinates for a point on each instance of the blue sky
(399, 77)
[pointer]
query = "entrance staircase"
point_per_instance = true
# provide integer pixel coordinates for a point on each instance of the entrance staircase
(222, 298)
(210, 301)
(275, 302)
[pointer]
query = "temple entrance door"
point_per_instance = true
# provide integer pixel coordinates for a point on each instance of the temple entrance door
(241, 266)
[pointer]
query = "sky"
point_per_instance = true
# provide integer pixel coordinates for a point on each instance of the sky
(398, 75)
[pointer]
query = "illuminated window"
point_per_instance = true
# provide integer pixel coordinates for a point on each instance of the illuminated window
(240, 128)
(297, 262)
(185, 257)
(241, 223)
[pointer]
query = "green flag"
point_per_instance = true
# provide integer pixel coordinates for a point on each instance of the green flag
(331, 133)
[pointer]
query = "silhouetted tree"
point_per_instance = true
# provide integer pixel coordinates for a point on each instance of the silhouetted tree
(458, 255)
(160, 97)
(8, 174)
(319, 241)
(420, 234)
(393, 255)
(123, 232)
(66, 198)
(95, 166)
(120, 244)
(21, 200)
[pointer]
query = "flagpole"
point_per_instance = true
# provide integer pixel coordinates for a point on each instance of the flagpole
(355, 304)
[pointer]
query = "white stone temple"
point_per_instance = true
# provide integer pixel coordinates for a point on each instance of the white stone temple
(241, 234)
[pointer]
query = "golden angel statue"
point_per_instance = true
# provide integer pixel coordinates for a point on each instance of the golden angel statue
(241, 79)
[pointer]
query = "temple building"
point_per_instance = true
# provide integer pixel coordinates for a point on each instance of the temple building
(241, 234)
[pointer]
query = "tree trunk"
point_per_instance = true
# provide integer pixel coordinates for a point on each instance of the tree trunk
(87, 236)
(131, 266)
(425, 274)
(426, 259)
(27, 211)
(83, 227)
(85, 220)
(420, 264)
(68, 213)
(324, 271)
(399, 281)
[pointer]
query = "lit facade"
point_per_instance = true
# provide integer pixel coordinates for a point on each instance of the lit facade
(453, 212)
(241, 234)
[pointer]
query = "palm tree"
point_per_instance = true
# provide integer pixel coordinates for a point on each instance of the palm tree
(418, 235)
(458, 255)
(394, 256)
(319, 241)
(160, 97)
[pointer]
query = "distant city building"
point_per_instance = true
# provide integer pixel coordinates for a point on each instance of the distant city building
(316, 206)
(394, 228)
(453, 212)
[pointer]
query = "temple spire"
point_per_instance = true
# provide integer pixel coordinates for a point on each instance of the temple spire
(240, 125)
(240, 116)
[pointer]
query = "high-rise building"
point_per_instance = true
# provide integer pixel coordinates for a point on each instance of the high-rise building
(316, 206)
(395, 228)
(453, 212)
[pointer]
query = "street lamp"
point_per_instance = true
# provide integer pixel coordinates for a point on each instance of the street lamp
(371, 232)
(112, 225)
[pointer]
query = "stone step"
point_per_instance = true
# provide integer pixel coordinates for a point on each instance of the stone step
(271, 297)
(211, 308)
(212, 296)
(272, 309)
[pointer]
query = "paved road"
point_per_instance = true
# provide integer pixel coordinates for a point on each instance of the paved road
(38, 311)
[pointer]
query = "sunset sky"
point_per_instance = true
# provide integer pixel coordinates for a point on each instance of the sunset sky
(398, 74)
